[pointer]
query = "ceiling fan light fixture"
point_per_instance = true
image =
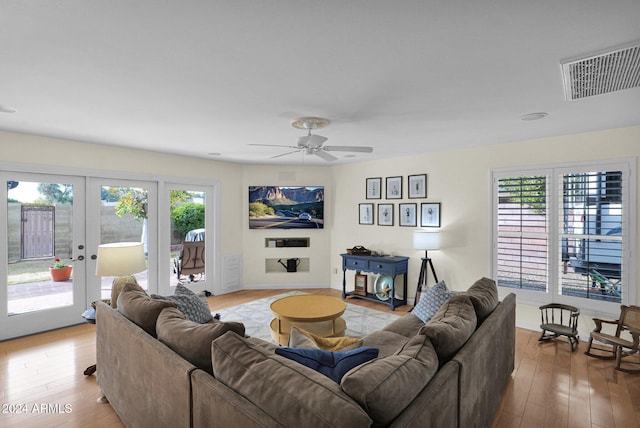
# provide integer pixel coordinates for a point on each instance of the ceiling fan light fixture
(310, 122)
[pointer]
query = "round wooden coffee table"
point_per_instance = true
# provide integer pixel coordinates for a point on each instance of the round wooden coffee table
(319, 315)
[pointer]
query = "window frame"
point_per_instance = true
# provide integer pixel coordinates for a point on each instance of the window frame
(554, 174)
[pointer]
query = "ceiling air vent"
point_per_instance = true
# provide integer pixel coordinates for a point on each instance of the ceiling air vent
(601, 74)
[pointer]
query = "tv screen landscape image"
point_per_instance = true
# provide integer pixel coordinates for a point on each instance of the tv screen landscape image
(280, 207)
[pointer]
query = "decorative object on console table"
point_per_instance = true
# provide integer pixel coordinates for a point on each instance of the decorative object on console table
(424, 240)
(382, 265)
(122, 260)
(360, 287)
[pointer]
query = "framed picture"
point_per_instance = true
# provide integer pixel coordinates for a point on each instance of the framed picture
(365, 213)
(407, 215)
(385, 214)
(430, 215)
(374, 188)
(394, 187)
(417, 186)
(360, 285)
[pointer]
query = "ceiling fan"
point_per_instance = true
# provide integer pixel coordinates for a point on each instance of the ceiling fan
(311, 144)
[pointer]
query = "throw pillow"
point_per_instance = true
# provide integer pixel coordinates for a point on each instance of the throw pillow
(431, 300)
(299, 338)
(334, 365)
(189, 304)
(484, 296)
(138, 307)
(451, 326)
(192, 340)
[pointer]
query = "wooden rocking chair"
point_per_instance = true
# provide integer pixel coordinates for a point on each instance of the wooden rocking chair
(560, 320)
(617, 346)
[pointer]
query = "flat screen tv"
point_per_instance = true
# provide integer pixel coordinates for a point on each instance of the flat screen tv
(280, 207)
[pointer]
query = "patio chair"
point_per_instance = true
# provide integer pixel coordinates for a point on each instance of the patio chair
(560, 320)
(618, 345)
(191, 260)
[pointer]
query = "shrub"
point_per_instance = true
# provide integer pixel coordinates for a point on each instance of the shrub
(188, 216)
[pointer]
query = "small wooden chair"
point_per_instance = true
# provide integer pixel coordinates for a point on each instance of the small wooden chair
(618, 347)
(560, 320)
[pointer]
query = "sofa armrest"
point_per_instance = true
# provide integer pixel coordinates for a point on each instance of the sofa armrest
(437, 403)
(217, 405)
(139, 375)
(486, 364)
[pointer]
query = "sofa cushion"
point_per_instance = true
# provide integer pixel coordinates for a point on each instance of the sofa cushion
(189, 304)
(334, 365)
(407, 325)
(386, 386)
(431, 300)
(484, 296)
(138, 307)
(192, 340)
(299, 338)
(293, 394)
(451, 326)
(387, 342)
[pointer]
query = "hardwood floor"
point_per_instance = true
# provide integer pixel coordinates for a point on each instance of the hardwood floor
(42, 382)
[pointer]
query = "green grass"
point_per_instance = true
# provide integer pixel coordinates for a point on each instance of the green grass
(25, 271)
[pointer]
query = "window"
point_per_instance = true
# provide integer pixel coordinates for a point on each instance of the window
(562, 234)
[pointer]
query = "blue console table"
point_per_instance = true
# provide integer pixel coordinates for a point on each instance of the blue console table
(383, 265)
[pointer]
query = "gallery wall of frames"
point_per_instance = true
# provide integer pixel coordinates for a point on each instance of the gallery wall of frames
(393, 190)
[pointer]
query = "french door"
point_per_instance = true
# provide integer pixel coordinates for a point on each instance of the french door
(43, 220)
(121, 211)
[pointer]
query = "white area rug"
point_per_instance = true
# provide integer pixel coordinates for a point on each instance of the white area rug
(256, 317)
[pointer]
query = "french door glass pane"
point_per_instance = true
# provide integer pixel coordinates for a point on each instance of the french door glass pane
(123, 218)
(40, 236)
(187, 213)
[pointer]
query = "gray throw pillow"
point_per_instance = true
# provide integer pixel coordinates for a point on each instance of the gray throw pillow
(189, 303)
(431, 300)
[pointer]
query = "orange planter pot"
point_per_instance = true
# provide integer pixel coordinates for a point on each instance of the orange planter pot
(60, 274)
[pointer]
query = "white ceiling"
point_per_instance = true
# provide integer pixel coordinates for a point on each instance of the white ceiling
(198, 77)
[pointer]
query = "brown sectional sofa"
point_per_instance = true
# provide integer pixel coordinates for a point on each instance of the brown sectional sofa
(450, 372)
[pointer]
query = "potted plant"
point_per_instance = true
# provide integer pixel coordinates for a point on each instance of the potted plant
(60, 271)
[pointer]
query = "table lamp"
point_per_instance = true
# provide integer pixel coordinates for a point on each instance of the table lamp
(424, 240)
(122, 260)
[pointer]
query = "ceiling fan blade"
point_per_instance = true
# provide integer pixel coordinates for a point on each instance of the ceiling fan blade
(360, 149)
(316, 140)
(324, 155)
(284, 154)
(273, 145)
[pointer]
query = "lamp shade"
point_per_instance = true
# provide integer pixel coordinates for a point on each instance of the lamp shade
(423, 240)
(120, 258)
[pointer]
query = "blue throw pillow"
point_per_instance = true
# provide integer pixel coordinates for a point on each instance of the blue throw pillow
(431, 300)
(331, 364)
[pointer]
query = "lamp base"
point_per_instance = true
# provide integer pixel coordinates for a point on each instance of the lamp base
(118, 283)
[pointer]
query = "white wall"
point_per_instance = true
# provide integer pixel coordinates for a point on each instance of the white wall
(253, 241)
(460, 181)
